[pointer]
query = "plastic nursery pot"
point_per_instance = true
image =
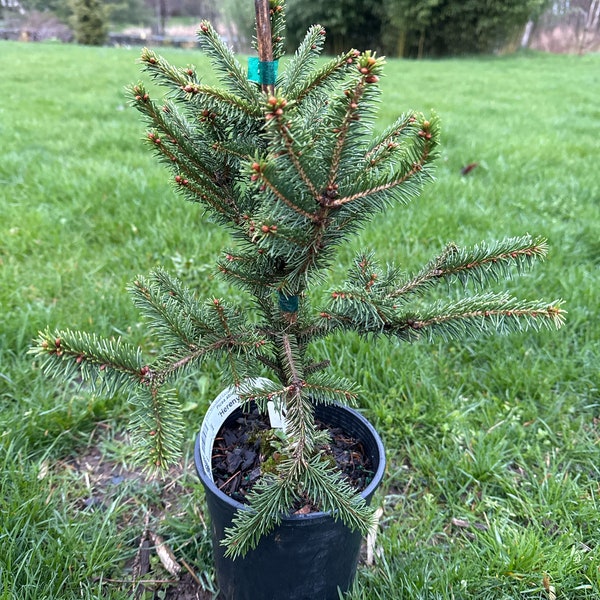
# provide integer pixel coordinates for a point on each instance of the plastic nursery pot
(307, 557)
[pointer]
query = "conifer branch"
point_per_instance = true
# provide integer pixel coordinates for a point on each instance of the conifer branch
(326, 389)
(342, 129)
(270, 499)
(391, 183)
(165, 315)
(156, 426)
(166, 74)
(478, 314)
(478, 264)
(233, 148)
(505, 316)
(302, 62)
(330, 74)
(327, 488)
(488, 313)
(316, 367)
(263, 176)
(274, 497)
(232, 108)
(277, 21)
(389, 141)
(294, 157)
(108, 366)
(254, 283)
(234, 348)
(180, 147)
(224, 62)
(272, 365)
(222, 206)
(291, 361)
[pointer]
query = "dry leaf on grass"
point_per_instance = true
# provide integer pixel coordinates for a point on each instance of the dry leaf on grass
(167, 558)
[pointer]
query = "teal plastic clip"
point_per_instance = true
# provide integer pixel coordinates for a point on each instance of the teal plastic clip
(288, 304)
(263, 72)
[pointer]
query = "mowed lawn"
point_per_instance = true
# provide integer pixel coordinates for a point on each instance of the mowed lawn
(493, 483)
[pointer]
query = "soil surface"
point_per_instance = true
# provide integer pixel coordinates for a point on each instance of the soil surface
(186, 589)
(246, 447)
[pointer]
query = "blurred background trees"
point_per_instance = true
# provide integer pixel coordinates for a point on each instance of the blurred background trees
(406, 28)
(453, 27)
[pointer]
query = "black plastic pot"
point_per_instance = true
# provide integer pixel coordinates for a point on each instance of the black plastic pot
(307, 557)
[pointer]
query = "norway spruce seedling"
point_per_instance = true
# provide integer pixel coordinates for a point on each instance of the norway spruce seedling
(290, 166)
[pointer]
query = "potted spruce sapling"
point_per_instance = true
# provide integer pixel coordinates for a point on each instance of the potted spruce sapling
(289, 164)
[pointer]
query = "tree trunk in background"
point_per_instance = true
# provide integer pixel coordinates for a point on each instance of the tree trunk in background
(158, 28)
(527, 34)
(593, 17)
(401, 47)
(421, 45)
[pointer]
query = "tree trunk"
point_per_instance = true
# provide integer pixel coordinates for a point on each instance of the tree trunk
(160, 7)
(263, 37)
(401, 47)
(593, 15)
(526, 39)
(421, 45)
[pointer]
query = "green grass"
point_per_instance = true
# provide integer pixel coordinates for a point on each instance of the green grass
(492, 489)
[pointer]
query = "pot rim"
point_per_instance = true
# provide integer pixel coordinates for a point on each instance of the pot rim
(366, 493)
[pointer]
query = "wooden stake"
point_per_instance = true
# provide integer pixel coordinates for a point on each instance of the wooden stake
(263, 37)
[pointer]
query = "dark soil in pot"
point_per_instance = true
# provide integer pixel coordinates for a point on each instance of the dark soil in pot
(246, 446)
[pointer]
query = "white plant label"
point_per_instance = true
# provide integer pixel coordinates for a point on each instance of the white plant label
(276, 416)
(221, 407)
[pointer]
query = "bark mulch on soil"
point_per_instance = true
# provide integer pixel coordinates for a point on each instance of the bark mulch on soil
(245, 446)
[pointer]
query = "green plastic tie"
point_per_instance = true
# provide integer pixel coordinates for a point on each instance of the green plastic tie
(263, 72)
(288, 304)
